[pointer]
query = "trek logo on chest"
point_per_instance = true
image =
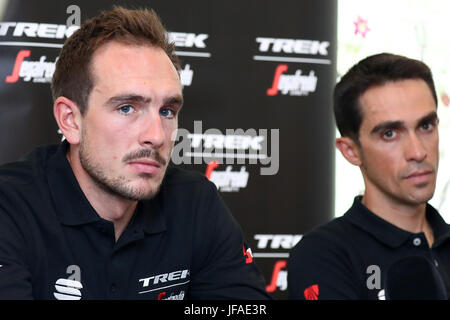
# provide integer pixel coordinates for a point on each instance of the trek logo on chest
(164, 280)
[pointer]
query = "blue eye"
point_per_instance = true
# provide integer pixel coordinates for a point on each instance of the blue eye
(168, 113)
(126, 109)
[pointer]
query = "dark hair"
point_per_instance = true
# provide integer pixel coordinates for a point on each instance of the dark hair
(72, 77)
(372, 71)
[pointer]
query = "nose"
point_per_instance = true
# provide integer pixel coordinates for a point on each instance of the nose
(152, 132)
(415, 150)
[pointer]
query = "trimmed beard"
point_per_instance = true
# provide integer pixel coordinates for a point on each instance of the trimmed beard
(120, 185)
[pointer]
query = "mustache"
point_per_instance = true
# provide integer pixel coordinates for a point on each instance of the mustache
(417, 167)
(145, 153)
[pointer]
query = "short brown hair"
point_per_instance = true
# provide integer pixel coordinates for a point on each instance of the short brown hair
(72, 77)
(370, 72)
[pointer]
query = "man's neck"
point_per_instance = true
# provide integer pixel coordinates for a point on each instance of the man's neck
(108, 206)
(409, 217)
(111, 207)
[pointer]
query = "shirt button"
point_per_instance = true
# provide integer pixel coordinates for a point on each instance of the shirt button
(417, 242)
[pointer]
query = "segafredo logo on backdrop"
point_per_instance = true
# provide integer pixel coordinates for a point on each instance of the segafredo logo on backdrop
(296, 84)
(279, 277)
(40, 70)
(226, 180)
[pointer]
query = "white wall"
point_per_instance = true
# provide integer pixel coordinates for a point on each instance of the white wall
(414, 28)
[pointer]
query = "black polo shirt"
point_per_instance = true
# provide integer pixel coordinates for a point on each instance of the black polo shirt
(182, 244)
(340, 259)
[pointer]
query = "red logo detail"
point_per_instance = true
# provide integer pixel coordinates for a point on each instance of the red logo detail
(248, 255)
(312, 292)
(210, 168)
(16, 70)
(276, 79)
(276, 271)
(161, 295)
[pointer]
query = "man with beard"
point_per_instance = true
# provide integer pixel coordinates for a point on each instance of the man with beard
(102, 215)
(385, 109)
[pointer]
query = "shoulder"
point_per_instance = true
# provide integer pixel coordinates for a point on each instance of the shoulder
(326, 257)
(335, 238)
(23, 169)
(25, 175)
(20, 172)
(330, 233)
(337, 230)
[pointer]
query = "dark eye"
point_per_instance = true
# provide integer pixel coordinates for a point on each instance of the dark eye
(389, 134)
(126, 109)
(427, 126)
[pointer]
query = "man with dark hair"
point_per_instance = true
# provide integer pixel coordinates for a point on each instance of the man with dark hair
(385, 109)
(103, 215)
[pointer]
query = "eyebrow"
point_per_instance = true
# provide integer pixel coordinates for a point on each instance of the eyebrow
(178, 99)
(127, 98)
(387, 125)
(432, 116)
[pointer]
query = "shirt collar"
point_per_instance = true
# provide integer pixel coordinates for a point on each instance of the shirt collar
(389, 234)
(72, 206)
(440, 228)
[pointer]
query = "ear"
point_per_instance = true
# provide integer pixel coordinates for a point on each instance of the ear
(350, 150)
(68, 117)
